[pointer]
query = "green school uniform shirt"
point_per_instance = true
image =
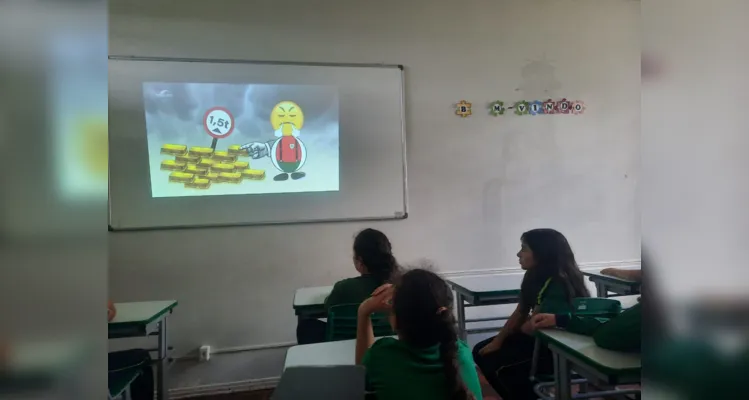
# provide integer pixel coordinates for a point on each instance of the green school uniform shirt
(696, 370)
(552, 299)
(352, 290)
(621, 333)
(396, 371)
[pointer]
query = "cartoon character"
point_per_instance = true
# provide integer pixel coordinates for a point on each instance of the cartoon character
(287, 152)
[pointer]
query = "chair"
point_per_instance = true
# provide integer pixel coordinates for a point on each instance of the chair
(119, 383)
(323, 383)
(596, 307)
(342, 320)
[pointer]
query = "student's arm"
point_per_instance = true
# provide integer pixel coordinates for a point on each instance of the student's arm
(513, 324)
(364, 335)
(622, 333)
(619, 334)
(332, 298)
(381, 300)
(575, 324)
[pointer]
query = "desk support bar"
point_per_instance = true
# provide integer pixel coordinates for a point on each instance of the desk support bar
(562, 378)
(494, 330)
(468, 321)
(161, 391)
(461, 316)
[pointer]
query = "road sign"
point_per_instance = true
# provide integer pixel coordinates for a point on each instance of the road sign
(218, 122)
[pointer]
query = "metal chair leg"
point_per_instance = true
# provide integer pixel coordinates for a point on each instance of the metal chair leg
(534, 361)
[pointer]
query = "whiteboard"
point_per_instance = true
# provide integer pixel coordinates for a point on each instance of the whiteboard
(371, 146)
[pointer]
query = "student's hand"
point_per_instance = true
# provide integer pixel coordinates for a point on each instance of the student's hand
(111, 311)
(542, 321)
(384, 288)
(527, 327)
(381, 301)
(491, 347)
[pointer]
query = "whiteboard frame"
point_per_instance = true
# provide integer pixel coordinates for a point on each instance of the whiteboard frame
(398, 215)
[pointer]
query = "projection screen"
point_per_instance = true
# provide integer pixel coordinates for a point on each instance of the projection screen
(224, 142)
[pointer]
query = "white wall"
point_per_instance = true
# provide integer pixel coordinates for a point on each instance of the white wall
(474, 185)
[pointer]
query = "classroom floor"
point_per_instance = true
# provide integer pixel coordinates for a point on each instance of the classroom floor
(488, 394)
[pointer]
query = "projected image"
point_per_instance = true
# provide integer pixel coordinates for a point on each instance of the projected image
(223, 139)
(79, 114)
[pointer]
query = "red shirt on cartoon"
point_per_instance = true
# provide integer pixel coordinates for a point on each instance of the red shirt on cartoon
(288, 150)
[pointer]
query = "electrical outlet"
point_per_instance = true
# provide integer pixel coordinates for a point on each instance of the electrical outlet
(205, 353)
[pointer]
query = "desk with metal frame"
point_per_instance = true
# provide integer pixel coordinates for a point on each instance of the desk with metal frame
(145, 318)
(481, 291)
(601, 367)
(309, 303)
(606, 283)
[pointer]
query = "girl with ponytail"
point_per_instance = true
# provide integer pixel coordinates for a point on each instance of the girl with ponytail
(426, 361)
(374, 261)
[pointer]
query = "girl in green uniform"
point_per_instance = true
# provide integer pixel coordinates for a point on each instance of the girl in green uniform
(426, 361)
(376, 265)
(552, 279)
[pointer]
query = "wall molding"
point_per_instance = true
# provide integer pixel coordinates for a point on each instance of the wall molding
(192, 356)
(254, 347)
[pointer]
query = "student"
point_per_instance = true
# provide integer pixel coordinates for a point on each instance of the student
(552, 279)
(376, 265)
(142, 388)
(622, 333)
(426, 361)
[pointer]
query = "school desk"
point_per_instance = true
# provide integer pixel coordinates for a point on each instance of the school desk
(327, 354)
(145, 318)
(605, 284)
(481, 291)
(601, 367)
(310, 302)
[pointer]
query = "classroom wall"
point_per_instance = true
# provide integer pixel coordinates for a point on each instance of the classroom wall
(475, 184)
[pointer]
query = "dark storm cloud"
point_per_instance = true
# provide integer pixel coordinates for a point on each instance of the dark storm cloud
(231, 97)
(316, 101)
(252, 127)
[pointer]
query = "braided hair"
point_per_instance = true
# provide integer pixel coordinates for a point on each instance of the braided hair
(423, 305)
(374, 251)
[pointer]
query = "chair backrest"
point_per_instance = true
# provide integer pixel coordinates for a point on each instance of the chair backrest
(120, 381)
(321, 383)
(596, 307)
(342, 321)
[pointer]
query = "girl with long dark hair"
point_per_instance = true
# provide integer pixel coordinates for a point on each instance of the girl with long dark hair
(552, 279)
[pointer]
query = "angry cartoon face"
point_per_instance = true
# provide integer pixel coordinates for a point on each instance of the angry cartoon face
(287, 118)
